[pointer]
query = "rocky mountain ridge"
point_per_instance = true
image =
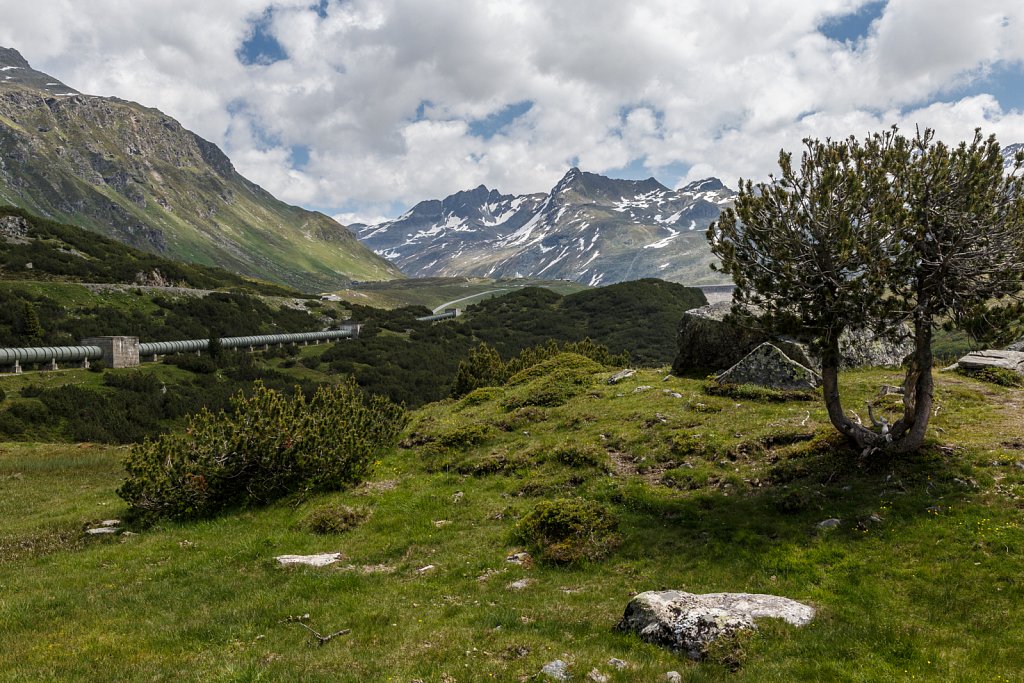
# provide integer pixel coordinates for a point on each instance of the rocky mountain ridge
(588, 228)
(135, 174)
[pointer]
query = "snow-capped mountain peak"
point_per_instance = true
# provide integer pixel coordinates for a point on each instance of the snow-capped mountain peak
(588, 228)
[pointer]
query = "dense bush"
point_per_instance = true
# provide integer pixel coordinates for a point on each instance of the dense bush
(568, 530)
(268, 447)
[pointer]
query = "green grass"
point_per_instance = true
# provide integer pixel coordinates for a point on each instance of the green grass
(930, 593)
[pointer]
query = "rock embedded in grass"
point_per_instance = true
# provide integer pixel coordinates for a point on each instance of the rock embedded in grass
(689, 623)
(319, 560)
(556, 670)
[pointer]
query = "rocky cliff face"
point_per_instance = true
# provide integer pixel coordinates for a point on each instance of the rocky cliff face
(135, 174)
(588, 228)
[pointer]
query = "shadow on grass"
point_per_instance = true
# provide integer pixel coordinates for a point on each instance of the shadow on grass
(805, 485)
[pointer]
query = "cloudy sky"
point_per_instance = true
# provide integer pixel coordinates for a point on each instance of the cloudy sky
(360, 108)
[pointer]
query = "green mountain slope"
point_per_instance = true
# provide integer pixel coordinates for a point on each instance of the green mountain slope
(136, 175)
(33, 248)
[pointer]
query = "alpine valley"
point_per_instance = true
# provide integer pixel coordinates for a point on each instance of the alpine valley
(588, 228)
(136, 175)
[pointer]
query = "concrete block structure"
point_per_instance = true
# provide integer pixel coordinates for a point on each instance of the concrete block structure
(118, 352)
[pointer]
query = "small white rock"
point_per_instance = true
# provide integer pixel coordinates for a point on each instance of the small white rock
(673, 677)
(424, 570)
(102, 530)
(110, 522)
(830, 523)
(519, 585)
(597, 677)
(556, 670)
(321, 560)
(618, 663)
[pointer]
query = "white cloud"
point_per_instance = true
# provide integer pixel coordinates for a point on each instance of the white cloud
(715, 86)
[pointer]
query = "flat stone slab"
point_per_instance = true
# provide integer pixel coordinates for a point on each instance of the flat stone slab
(688, 622)
(993, 358)
(321, 560)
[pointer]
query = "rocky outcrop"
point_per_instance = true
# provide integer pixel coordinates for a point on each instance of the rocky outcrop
(688, 623)
(768, 366)
(992, 358)
(710, 339)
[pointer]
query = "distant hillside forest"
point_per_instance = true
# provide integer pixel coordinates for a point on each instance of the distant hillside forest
(34, 248)
(409, 361)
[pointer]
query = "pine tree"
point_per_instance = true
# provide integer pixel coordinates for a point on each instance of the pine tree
(31, 329)
(882, 234)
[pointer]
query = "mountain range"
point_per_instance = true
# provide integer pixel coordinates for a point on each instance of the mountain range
(136, 175)
(588, 228)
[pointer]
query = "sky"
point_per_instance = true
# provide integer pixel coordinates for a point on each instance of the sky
(361, 108)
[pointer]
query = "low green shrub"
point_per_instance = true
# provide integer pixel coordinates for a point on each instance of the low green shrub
(1001, 376)
(269, 446)
(568, 530)
(334, 519)
(481, 396)
(552, 382)
(203, 365)
(576, 456)
(464, 436)
(97, 366)
(753, 392)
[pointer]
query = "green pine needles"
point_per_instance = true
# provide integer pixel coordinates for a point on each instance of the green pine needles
(268, 446)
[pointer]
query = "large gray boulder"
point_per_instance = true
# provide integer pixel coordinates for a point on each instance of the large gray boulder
(708, 339)
(688, 622)
(992, 358)
(768, 366)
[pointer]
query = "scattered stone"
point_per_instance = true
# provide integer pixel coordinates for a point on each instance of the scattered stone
(991, 358)
(101, 530)
(673, 394)
(768, 366)
(597, 677)
(666, 378)
(522, 558)
(673, 677)
(128, 534)
(687, 622)
(442, 522)
(642, 388)
(320, 560)
(110, 522)
(621, 375)
(556, 670)
(830, 523)
(458, 496)
(875, 519)
(519, 585)
(618, 663)
(424, 570)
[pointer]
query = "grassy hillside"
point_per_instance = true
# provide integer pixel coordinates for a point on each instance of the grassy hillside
(711, 493)
(34, 248)
(435, 292)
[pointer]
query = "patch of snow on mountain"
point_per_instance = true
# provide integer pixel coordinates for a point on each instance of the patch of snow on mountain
(554, 260)
(595, 279)
(693, 225)
(662, 243)
(670, 220)
(8, 68)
